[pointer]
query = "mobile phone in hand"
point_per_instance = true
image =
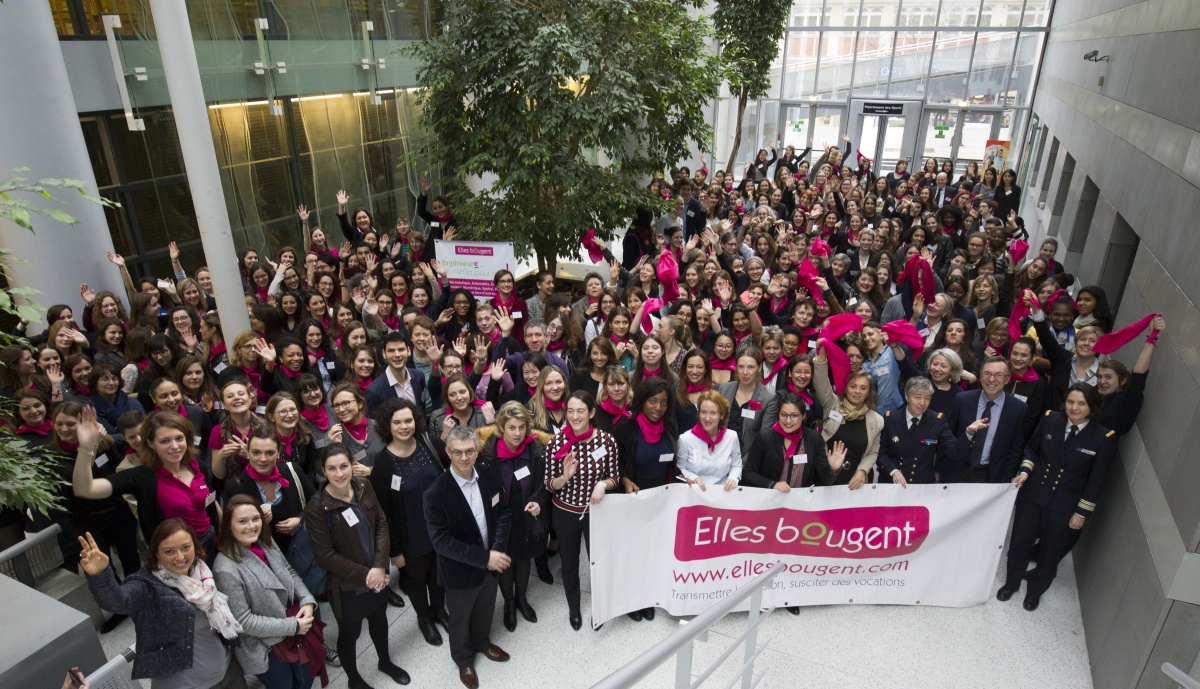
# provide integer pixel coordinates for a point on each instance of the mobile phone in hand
(76, 676)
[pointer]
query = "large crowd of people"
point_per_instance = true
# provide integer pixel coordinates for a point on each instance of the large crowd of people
(807, 324)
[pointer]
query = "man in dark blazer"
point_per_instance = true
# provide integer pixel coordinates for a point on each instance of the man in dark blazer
(469, 525)
(398, 379)
(917, 445)
(990, 428)
(694, 218)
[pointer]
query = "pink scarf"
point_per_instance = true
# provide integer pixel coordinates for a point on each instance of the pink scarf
(615, 411)
(273, 476)
(702, 434)
(652, 432)
(572, 439)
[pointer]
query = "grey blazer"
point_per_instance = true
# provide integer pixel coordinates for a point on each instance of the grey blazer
(259, 597)
(750, 427)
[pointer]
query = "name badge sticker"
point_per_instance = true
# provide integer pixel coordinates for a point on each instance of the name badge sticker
(395, 482)
(210, 499)
(350, 517)
(747, 413)
(599, 453)
(800, 459)
(521, 473)
(835, 415)
(101, 460)
(495, 499)
(666, 457)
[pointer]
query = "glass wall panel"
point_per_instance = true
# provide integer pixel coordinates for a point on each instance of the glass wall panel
(989, 70)
(874, 63)
(806, 13)
(918, 13)
(1000, 13)
(1037, 13)
(959, 13)
(910, 64)
(940, 128)
(879, 12)
(841, 13)
(800, 75)
(827, 128)
(837, 65)
(951, 65)
(795, 128)
(1025, 65)
(976, 130)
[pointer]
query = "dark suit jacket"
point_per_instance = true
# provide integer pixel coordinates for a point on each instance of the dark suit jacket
(763, 467)
(918, 455)
(696, 219)
(379, 391)
(1008, 436)
(462, 556)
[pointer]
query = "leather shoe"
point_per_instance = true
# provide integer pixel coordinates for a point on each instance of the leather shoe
(1005, 593)
(636, 615)
(543, 571)
(398, 675)
(430, 631)
(510, 616)
(648, 614)
(1031, 602)
(526, 610)
(395, 599)
(468, 677)
(795, 609)
(576, 620)
(495, 653)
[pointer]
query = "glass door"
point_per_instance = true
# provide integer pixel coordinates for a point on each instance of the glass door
(939, 132)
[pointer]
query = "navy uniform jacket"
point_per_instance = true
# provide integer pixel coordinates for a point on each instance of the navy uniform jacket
(1064, 478)
(918, 453)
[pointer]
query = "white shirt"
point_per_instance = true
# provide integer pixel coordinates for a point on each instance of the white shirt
(474, 498)
(404, 389)
(714, 468)
(1078, 426)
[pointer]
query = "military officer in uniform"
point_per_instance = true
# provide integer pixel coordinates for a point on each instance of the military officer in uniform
(1060, 478)
(917, 445)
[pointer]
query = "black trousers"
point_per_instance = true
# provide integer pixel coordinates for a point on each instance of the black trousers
(371, 607)
(979, 475)
(421, 584)
(1033, 523)
(471, 613)
(572, 532)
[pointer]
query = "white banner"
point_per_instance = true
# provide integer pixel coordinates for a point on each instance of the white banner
(682, 549)
(473, 265)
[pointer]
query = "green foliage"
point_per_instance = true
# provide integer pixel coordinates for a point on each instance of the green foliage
(749, 32)
(535, 91)
(27, 476)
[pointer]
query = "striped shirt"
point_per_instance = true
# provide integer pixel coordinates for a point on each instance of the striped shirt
(598, 461)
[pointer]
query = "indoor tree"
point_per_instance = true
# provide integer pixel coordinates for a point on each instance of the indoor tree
(572, 106)
(749, 32)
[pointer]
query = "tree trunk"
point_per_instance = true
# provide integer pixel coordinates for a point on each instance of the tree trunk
(737, 133)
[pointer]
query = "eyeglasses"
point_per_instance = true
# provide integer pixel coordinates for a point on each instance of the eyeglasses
(462, 454)
(462, 303)
(993, 376)
(790, 417)
(343, 405)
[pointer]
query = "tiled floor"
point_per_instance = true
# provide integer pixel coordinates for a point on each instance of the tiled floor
(844, 647)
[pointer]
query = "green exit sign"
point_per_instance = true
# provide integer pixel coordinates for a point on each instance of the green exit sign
(941, 131)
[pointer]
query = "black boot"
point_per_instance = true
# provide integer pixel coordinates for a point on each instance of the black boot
(429, 631)
(526, 609)
(510, 615)
(543, 570)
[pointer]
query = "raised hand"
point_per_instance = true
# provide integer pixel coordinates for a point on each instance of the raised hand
(481, 347)
(342, 199)
(837, 455)
(173, 251)
(302, 211)
(504, 320)
(116, 259)
(496, 370)
(435, 350)
(371, 307)
(614, 270)
(460, 345)
(489, 412)
(92, 559)
(266, 352)
(426, 185)
(89, 430)
(88, 294)
(55, 374)
(570, 465)
(449, 233)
